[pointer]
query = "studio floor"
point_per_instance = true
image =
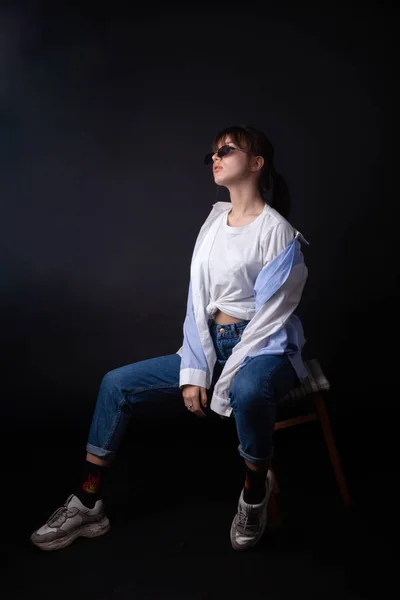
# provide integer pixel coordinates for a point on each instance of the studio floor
(171, 513)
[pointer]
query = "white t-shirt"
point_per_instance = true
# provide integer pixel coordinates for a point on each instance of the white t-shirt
(235, 260)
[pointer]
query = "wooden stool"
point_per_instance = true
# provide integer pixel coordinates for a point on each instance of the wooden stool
(313, 388)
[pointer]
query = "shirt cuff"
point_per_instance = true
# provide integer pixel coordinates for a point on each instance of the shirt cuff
(221, 406)
(193, 377)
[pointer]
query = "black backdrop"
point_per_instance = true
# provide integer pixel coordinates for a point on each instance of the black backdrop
(105, 120)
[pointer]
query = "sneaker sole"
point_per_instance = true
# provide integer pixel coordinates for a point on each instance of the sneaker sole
(90, 530)
(241, 547)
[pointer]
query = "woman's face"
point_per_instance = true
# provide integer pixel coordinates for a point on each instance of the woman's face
(233, 167)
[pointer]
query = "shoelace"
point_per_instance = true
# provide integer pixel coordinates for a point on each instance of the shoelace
(248, 519)
(60, 515)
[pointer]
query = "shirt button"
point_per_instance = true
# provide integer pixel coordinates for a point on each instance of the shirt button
(222, 330)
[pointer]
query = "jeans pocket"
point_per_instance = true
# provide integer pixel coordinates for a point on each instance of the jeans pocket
(240, 327)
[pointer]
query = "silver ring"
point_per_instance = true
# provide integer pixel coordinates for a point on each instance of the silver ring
(190, 407)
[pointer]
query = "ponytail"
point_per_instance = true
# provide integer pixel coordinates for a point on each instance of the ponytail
(274, 191)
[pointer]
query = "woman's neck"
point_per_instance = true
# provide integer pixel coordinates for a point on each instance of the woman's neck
(245, 201)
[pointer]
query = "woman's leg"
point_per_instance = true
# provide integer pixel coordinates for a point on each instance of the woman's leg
(253, 397)
(153, 382)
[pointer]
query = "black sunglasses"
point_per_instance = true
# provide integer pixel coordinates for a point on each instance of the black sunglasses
(223, 151)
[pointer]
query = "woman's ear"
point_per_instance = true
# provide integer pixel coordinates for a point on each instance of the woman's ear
(257, 163)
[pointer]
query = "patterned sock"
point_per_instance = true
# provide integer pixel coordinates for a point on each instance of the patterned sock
(255, 486)
(89, 489)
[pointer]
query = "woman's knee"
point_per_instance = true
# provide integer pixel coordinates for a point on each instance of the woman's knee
(110, 379)
(244, 394)
(113, 381)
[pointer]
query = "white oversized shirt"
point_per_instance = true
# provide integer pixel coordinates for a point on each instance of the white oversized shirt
(266, 253)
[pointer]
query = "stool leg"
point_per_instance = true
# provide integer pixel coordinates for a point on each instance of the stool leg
(333, 452)
(274, 513)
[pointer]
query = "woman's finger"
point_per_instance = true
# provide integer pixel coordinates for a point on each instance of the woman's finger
(197, 406)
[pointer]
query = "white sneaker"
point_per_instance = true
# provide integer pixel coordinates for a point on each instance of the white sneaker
(250, 521)
(69, 522)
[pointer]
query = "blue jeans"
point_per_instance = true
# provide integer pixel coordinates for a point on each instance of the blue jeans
(153, 384)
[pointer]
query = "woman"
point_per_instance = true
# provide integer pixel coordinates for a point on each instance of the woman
(241, 345)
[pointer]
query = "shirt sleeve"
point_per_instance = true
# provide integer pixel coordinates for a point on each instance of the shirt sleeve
(194, 369)
(278, 239)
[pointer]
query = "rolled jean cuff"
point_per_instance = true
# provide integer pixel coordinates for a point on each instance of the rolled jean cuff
(100, 452)
(253, 460)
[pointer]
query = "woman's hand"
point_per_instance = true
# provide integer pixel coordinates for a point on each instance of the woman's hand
(195, 397)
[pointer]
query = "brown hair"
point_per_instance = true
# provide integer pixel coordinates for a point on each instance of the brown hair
(272, 186)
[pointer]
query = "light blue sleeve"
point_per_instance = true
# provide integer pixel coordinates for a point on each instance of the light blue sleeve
(194, 368)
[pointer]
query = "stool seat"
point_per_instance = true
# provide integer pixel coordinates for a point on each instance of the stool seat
(315, 382)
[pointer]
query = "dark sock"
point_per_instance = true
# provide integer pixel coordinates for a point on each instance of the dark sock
(254, 487)
(90, 486)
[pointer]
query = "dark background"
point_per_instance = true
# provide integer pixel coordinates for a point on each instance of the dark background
(106, 114)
